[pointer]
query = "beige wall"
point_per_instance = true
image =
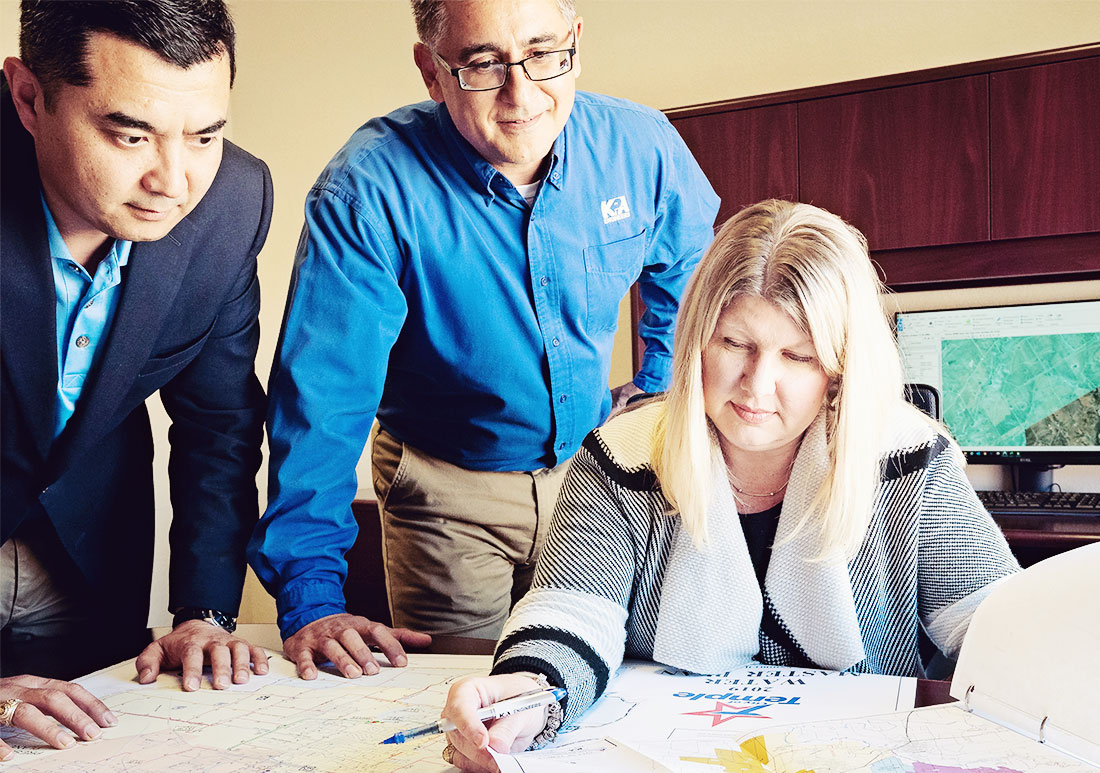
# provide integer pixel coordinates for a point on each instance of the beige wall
(311, 71)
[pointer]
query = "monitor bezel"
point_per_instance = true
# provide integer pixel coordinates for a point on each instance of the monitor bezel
(1030, 456)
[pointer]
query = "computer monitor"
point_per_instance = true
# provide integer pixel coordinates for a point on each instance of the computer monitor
(1019, 384)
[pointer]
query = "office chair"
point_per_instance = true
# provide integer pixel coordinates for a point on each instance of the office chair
(365, 587)
(925, 397)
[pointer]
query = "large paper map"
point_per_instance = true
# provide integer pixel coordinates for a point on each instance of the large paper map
(937, 739)
(276, 723)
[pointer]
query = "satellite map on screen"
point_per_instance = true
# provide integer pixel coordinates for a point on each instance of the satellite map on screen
(1023, 391)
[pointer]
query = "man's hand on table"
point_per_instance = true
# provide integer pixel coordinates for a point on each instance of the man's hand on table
(345, 640)
(47, 702)
(194, 642)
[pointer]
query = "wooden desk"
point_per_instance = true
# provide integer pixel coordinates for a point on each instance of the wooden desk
(1034, 538)
(457, 645)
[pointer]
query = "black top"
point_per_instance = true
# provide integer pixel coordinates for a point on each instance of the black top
(759, 529)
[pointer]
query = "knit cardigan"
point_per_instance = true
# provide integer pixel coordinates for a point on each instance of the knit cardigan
(619, 577)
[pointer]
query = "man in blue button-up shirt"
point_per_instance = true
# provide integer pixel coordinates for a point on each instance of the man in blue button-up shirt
(459, 278)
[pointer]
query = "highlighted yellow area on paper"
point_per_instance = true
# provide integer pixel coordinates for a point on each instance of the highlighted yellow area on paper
(752, 758)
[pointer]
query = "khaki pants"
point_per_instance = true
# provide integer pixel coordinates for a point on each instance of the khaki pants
(459, 545)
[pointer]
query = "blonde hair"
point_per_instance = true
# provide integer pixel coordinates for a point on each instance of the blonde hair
(814, 267)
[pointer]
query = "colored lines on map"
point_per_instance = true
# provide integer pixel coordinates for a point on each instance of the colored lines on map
(751, 758)
(925, 767)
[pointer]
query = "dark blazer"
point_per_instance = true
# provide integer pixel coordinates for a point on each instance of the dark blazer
(186, 325)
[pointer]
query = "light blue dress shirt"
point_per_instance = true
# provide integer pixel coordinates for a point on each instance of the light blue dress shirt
(478, 328)
(85, 309)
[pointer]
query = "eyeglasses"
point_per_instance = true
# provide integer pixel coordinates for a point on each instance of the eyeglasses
(487, 76)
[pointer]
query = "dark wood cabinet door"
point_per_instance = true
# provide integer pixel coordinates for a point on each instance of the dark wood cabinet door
(1045, 149)
(908, 166)
(748, 155)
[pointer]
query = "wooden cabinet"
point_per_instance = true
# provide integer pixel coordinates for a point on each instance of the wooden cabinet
(980, 173)
(748, 155)
(1045, 160)
(908, 166)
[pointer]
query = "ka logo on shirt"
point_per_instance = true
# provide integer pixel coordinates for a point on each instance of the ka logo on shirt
(615, 209)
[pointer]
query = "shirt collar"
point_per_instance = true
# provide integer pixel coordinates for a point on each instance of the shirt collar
(555, 175)
(119, 254)
(483, 172)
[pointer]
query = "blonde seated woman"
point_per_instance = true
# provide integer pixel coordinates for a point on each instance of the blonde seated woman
(782, 503)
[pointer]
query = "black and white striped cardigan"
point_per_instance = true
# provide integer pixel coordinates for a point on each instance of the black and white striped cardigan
(619, 578)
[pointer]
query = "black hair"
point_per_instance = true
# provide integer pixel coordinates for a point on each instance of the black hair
(53, 34)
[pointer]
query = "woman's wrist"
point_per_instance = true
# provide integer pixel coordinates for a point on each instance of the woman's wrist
(554, 715)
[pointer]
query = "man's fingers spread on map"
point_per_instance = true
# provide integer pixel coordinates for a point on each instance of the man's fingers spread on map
(192, 667)
(307, 669)
(340, 658)
(359, 651)
(148, 663)
(242, 656)
(412, 638)
(221, 663)
(91, 705)
(29, 718)
(56, 703)
(56, 697)
(69, 703)
(259, 659)
(382, 635)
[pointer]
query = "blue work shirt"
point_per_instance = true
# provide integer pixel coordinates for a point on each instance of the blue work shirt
(85, 308)
(477, 328)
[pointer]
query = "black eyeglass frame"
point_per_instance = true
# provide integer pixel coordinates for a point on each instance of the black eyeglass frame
(522, 63)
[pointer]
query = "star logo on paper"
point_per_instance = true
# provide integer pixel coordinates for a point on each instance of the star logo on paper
(724, 712)
(614, 209)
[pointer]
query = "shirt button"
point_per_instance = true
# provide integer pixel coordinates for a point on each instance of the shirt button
(544, 281)
(556, 342)
(89, 304)
(74, 269)
(563, 398)
(82, 341)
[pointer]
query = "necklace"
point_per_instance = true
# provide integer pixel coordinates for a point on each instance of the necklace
(739, 490)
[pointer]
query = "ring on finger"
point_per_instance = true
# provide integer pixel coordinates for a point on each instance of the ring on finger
(7, 711)
(449, 754)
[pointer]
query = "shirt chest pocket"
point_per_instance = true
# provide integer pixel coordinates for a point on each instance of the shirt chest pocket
(609, 270)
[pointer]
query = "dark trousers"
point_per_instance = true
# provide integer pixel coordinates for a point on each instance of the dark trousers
(55, 625)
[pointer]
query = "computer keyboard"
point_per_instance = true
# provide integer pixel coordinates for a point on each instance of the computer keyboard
(1041, 502)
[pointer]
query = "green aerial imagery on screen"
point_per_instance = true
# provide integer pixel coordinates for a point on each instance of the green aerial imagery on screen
(994, 395)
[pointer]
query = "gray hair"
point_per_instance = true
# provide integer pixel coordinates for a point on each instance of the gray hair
(431, 19)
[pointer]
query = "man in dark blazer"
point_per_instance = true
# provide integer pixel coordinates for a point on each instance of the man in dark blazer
(130, 230)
